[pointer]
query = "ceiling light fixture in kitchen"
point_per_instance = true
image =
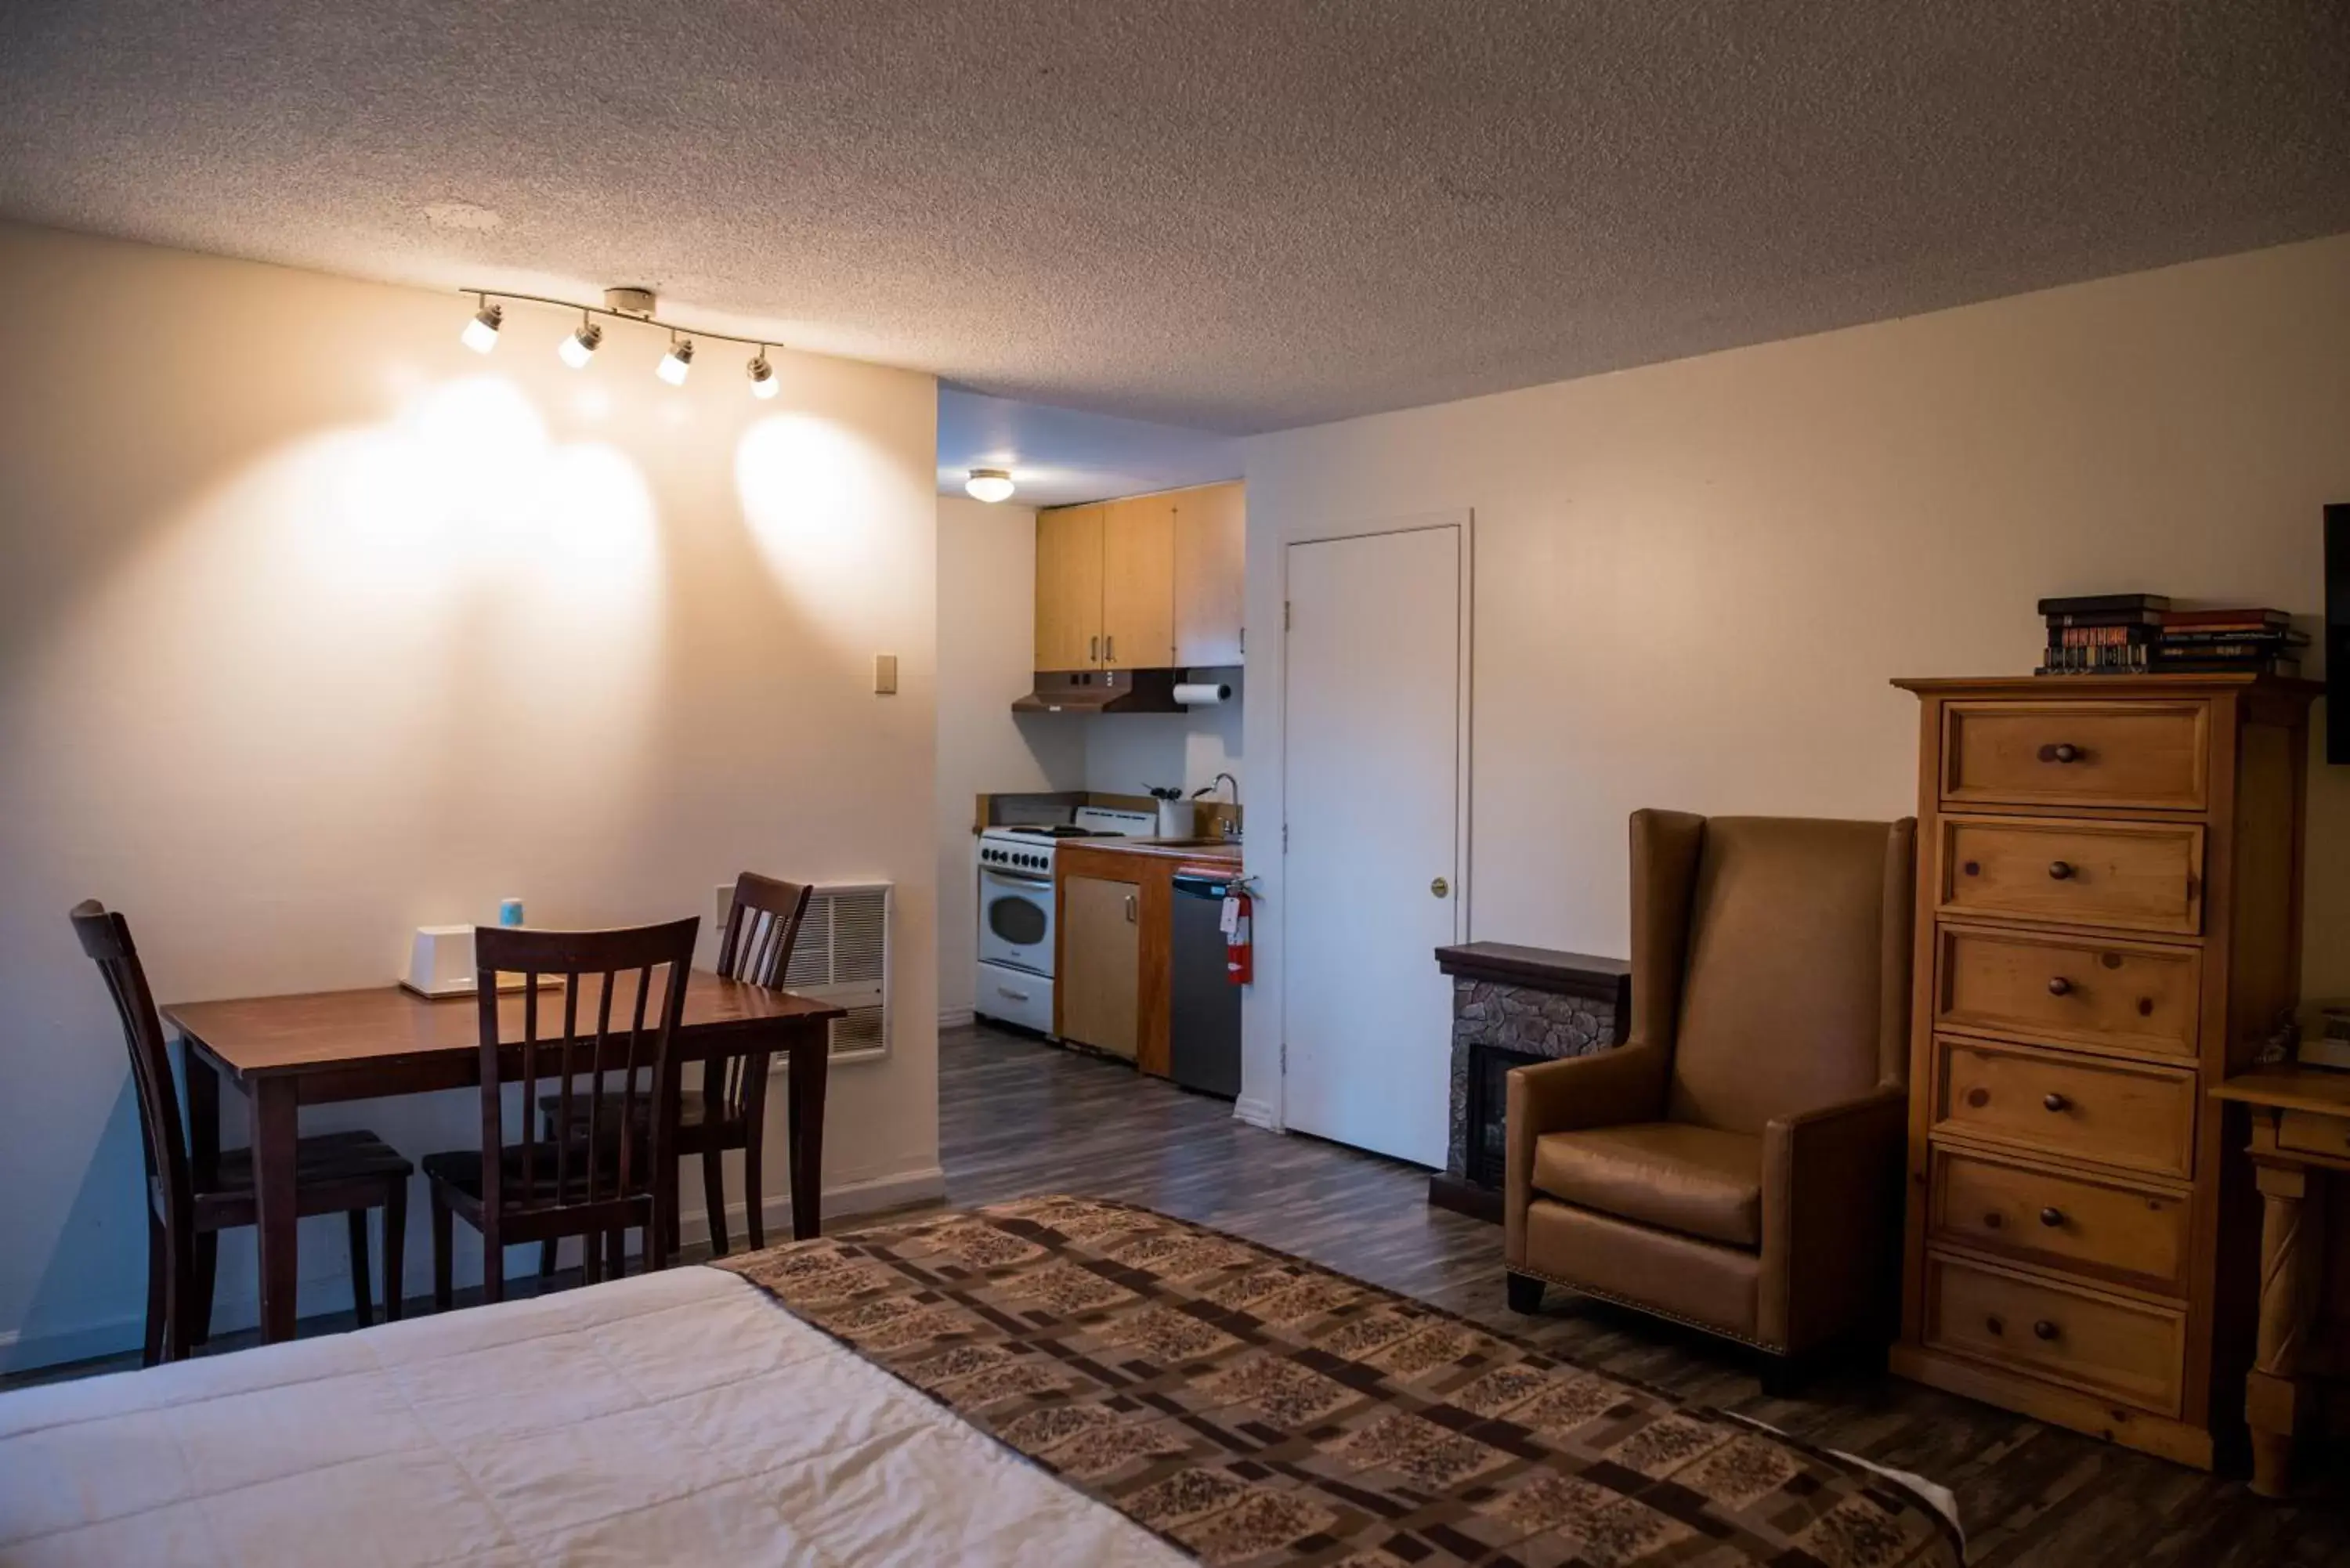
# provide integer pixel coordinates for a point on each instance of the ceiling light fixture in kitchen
(988, 484)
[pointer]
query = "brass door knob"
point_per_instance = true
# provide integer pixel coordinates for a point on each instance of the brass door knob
(1440, 886)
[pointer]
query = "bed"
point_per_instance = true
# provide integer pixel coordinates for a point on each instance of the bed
(1055, 1380)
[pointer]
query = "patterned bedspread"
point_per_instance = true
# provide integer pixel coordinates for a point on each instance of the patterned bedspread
(1252, 1409)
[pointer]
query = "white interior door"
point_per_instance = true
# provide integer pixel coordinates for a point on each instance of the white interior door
(1371, 881)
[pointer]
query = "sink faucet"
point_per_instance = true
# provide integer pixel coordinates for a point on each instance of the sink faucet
(1230, 825)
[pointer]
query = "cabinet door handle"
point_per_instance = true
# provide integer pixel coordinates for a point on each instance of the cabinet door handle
(1093, 648)
(1109, 649)
(2062, 751)
(1130, 909)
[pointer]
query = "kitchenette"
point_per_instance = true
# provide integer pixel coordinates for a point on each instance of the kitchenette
(1108, 920)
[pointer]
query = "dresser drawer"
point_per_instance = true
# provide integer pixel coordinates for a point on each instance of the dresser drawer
(2306, 1132)
(2144, 877)
(2060, 1219)
(2121, 996)
(2116, 1113)
(2130, 1352)
(2148, 754)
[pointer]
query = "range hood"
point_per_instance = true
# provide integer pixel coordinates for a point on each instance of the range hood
(1102, 691)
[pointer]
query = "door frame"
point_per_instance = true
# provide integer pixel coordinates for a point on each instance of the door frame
(1463, 522)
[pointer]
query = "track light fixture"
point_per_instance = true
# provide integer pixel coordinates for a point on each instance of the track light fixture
(480, 334)
(762, 375)
(988, 484)
(578, 349)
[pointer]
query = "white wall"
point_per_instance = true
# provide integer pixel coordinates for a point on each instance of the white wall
(315, 627)
(1693, 581)
(987, 658)
(1125, 754)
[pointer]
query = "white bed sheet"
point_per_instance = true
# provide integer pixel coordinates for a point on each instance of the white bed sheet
(672, 1417)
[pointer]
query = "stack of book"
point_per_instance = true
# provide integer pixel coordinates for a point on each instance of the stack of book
(2257, 639)
(2140, 634)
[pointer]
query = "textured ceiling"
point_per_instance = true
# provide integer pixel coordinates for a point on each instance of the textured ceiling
(1237, 214)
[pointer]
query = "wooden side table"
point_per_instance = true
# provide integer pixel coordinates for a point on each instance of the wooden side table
(2301, 1131)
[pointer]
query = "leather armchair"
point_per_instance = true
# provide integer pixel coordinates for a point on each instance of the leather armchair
(1736, 1164)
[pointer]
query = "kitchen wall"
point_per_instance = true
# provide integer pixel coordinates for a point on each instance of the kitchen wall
(987, 656)
(1693, 581)
(317, 628)
(1125, 754)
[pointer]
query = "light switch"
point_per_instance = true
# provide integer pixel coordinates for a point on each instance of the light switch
(885, 674)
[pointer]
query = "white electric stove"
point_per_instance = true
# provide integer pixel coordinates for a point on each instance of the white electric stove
(1016, 910)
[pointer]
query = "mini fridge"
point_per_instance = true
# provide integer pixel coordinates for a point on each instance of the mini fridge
(1203, 1043)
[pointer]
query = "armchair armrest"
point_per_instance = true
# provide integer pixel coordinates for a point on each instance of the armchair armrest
(1612, 1087)
(1832, 1186)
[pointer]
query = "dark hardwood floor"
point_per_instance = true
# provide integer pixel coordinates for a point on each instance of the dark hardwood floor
(1018, 1116)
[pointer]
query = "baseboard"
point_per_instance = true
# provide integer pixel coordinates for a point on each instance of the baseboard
(955, 1017)
(1255, 1112)
(327, 1293)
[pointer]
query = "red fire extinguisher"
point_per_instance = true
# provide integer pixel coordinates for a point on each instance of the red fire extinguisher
(1239, 967)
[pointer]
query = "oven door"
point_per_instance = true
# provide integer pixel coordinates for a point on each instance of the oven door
(1016, 920)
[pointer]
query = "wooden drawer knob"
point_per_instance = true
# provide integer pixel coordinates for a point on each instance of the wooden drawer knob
(2062, 751)
(1992, 1221)
(2054, 1102)
(2043, 1329)
(1978, 1098)
(2059, 986)
(2051, 1216)
(1994, 1325)
(2061, 870)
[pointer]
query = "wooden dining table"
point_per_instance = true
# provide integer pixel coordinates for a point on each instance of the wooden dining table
(287, 1052)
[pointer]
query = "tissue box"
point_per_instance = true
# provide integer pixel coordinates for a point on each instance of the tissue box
(440, 961)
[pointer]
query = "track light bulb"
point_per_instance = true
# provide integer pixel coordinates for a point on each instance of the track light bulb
(676, 362)
(988, 484)
(763, 376)
(480, 334)
(580, 347)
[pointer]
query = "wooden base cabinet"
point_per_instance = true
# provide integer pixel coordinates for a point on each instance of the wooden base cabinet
(2108, 925)
(1099, 986)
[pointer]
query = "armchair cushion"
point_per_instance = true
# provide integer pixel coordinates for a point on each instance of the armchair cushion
(1696, 1180)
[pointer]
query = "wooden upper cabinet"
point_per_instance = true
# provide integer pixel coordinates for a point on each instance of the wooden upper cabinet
(1210, 541)
(1149, 582)
(1069, 587)
(1138, 605)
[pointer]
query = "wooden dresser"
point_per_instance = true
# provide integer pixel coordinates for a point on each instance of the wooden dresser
(2108, 924)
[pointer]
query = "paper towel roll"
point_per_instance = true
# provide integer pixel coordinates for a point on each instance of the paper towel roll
(1194, 694)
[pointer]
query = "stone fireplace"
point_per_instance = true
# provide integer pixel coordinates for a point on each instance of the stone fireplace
(1513, 1006)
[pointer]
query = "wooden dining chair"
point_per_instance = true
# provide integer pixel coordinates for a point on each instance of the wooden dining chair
(600, 1170)
(730, 1110)
(187, 1209)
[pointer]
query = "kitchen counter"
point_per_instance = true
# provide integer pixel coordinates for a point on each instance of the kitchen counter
(1211, 853)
